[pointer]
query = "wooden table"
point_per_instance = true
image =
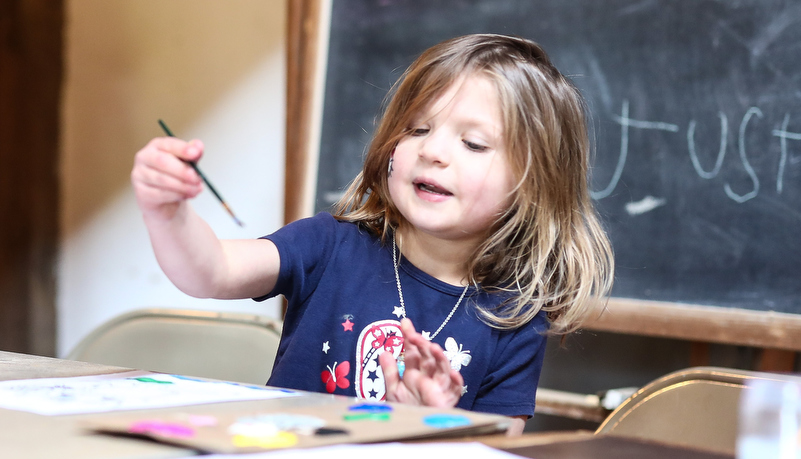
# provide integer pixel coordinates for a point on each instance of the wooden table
(29, 435)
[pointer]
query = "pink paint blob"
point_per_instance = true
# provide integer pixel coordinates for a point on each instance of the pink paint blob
(161, 428)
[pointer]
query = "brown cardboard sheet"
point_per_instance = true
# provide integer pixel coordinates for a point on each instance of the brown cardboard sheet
(298, 422)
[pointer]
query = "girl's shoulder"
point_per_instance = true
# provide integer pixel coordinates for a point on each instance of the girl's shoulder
(326, 219)
(323, 231)
(322, 222)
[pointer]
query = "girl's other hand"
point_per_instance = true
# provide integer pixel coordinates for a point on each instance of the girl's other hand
(162, 178)
(428, 378)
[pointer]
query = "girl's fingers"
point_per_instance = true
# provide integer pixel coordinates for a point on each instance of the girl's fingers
(168, 152)
(411, 355)
(407, 328)
(187, 151)
(428, 378)
(160, 164)
(154, 189)
(391, 377)
(422, 354)
(411, 339)
(155, 178)
(162, 178)
(457, 383)
(442, 362)
(428, 363)
(436, 394)
(193, 151)
(165, 162)
(455, 389)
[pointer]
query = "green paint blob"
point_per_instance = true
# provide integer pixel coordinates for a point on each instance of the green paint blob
(151, 380)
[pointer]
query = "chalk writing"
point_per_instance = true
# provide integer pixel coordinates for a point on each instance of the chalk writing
(784, 135)
(626, 123)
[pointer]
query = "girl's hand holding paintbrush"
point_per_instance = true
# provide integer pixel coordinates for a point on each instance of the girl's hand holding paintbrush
(163, 178)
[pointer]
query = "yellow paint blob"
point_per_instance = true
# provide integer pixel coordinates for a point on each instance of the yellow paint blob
(279, 440)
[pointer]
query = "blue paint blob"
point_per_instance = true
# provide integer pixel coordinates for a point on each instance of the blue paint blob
(371, 408)
(446, 421)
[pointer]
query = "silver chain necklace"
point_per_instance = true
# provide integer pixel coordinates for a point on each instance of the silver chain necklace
(426, 335)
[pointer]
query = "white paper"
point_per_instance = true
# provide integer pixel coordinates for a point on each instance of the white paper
(381, 450)
(123, 391)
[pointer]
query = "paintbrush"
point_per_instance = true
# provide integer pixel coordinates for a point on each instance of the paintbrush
(205, 180)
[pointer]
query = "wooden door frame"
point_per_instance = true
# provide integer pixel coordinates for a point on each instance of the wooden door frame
(31, 55)
(303, 34)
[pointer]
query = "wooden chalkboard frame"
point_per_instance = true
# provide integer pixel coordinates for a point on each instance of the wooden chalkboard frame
(308, 26)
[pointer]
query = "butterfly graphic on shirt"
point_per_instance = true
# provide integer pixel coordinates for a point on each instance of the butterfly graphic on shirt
(456, 355)
(381, 341)
(336, 376)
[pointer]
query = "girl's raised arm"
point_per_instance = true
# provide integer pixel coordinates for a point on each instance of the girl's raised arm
(188, 251)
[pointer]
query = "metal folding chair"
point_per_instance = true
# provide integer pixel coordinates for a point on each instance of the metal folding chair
(220, 345)
(696, 407)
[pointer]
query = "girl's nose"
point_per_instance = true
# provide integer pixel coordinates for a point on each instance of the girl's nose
(435, 148)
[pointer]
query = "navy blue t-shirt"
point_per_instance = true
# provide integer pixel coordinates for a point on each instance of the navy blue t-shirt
(343, 312)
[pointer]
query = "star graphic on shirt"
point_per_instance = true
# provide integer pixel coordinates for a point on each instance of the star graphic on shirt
(399, 311)
(464, 389)
(372, 376)
(326, 347)
(347, 325)
(373, 394)
(426, 335)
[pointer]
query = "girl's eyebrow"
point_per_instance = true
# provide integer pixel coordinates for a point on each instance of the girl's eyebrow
(490, 127)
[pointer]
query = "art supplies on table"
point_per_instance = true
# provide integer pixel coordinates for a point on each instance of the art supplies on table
(311, 420)
(225, 417)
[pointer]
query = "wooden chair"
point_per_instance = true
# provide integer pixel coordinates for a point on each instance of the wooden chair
(696, 407)
(229, 346)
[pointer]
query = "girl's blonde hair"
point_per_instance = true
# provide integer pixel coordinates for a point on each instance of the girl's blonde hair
(548, 251)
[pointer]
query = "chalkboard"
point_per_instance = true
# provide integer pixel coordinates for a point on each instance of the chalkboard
(696, 123)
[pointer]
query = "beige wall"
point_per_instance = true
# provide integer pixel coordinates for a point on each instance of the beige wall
(211, 69)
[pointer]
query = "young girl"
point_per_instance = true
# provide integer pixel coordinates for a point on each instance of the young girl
(471, 218)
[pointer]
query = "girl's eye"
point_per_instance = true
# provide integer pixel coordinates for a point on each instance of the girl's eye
(474, 146)
(418, 131)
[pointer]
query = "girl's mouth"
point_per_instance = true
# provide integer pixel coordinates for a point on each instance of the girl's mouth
(432, 188)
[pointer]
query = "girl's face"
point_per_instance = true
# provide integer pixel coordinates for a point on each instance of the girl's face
(450, 176)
